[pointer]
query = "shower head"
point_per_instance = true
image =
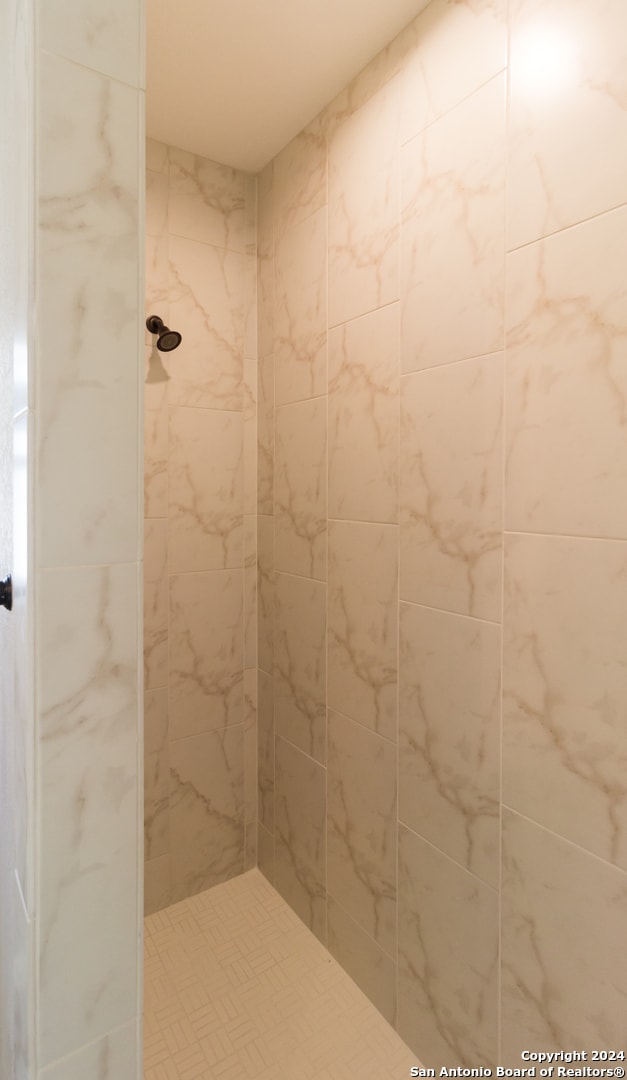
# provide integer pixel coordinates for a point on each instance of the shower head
(167, 339)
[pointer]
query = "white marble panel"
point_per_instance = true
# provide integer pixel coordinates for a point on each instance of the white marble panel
(300, 488)
(207, 201)
(564, 980)
(567, 382)
(568, 113)
(205, 489)
(207, 286)
(113, 1057)
(451, 487)
(206, 651)
(106, 38)
(450, 735)
(448, 949)
(88, 273)
(363, 417)
(300, 310)
(87, 666)
(453, 229)
(455, 48)
(206, 809)
(361, 827)
(364, 207)
(565, 686)
(362, 637)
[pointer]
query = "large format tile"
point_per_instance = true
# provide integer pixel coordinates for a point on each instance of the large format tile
(250, 435)
(299, 835)
(155, 436)
(300, 177)
(107, 39)
(568, 113)
(207, 201)
(564, 978)
(250, 591)
(364, 207)
(113, 1057)
(300, 310)
(206, 809)
(361, 827)
(567, 382)
(156, 774)
(362, 641)
(365, 961)
(265, 262)
(265, 593)
(300, 488)
(250, 751)
(363, 417)
(450, 735)
(207, 307)
(155, 603)
(565, 685)
(448, 959)
(455, 49)
(87, 299)
(265, 750)
(205, 489)
(451, 487)
(157, 884)
(87, 906)
(300, 663)
(265, 435)
(453, 228)
(206, 651)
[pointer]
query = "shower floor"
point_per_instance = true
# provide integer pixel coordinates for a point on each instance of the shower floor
(237, 987)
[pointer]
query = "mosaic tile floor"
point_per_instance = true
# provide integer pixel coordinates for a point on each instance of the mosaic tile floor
(237, 987)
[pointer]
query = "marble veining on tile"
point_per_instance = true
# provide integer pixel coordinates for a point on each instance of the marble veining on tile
(300, 663)
(300, 310)
(300, 489)
(207, 201)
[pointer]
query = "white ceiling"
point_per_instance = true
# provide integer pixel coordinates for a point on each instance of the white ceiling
(235, 80)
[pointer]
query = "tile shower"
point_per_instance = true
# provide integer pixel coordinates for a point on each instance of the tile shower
(386, 569)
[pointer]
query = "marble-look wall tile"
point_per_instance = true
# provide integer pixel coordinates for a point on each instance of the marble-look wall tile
(565, 685)
(157, 156)
(156, 774)
(265, 750)
(361, 827)
(249, 436)
(364, 207)
(207, 306)
(157, 884)
(363, 417)
(155, 436)
(207, 201)
(567, 382)
(206, 809)
(300, 488)
(365, 961)
(451, 487)
(265, 853)
(453, 226)
(155, 603)
(250, 750)
(300, 310)
(568, 114)
(87, 679)
(157, 190)
(265, 262)
(448, 959)
(113, 1057)
(362, 640)
(265, 435)
(105, 39)
(450, 735)
(299, 835)
(265, 593)
(456, 48)
(300, 177)
(300, 663)
(250, 592)
(205, 489)
(250, 845)
(564, 915)
(87, 300)
(206, 652)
